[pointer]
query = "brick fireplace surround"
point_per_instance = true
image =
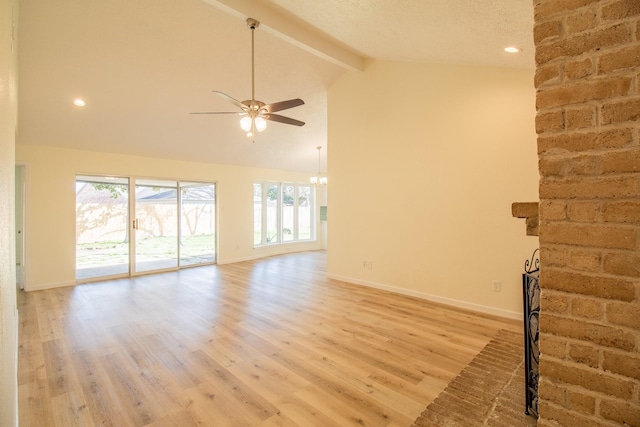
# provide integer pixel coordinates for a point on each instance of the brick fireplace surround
(588, 111)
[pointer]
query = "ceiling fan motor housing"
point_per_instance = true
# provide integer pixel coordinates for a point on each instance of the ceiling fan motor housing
(254, 107)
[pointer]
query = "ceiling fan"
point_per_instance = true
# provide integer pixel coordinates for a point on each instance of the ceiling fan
(257, 112)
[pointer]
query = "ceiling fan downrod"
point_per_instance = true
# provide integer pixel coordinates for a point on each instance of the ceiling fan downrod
(252, 24)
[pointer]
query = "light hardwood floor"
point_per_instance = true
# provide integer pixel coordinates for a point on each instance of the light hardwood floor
(271, 342)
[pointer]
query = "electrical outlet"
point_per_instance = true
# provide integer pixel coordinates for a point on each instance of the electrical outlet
(496, 286)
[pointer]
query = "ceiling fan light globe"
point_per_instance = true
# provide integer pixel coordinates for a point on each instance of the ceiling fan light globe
(313, 180)
(261, 124)
(245, 123)
(323, 180)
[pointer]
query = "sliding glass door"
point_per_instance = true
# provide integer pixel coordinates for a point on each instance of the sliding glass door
(197, 223)
(102, 226)
(156, 225)
(163, 225)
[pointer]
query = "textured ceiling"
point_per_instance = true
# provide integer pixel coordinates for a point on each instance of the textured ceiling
(143, 65)
(449, 31)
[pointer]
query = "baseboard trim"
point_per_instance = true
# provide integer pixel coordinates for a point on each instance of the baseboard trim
(234, 260)
(43, 286)
(275, 250)
(434, 298)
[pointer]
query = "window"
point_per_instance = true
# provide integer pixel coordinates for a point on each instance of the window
(282, 213)
(257, 214)
(288, 211)
(304, 213)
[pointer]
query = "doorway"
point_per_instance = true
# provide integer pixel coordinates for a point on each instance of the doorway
(20, 225)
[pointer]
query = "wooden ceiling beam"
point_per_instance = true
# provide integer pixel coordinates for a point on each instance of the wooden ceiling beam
(293, 30)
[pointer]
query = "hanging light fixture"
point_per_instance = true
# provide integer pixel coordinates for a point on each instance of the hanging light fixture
(322, 180)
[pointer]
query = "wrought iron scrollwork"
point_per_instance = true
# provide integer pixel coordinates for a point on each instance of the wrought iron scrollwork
(533, 265)
(531, 297)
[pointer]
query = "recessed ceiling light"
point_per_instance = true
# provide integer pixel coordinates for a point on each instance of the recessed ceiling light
(512, 49)
(79, 102)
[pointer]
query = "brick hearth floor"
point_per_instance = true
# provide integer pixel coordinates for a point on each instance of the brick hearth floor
(488, 392)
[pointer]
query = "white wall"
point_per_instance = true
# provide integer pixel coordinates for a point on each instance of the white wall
(424, 163)
(8, 310)
(50, 216)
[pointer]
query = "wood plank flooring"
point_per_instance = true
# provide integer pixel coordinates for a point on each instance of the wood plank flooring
(271, 342)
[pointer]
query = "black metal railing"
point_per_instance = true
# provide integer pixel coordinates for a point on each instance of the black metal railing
(531, 296)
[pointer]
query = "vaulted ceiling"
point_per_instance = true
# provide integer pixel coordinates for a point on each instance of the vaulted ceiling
(142, 66)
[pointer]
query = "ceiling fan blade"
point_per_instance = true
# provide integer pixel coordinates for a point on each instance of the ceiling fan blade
(282, 119)
(231, 100)
(283, 105)
(239, 113)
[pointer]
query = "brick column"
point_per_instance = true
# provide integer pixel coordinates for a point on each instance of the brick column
(588, 102)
